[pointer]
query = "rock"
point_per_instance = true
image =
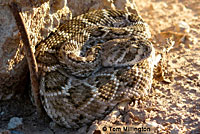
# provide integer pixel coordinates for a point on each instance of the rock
(39, 21)
(154, 125)
(16, 132)
(2, 113)
(15, 122)
(182, 27)
(5, 132)
(175, 129)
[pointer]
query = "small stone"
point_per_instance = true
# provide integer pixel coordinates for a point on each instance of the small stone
(2, 113)
(57, 4)
(16, 132)
(5, 132)
(15, 122)
(182, 27)
(175, 131)
(154, 124)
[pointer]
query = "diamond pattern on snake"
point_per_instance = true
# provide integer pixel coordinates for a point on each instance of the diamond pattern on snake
(91, 63)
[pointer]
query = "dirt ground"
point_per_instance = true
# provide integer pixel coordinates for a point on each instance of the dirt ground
(174, 105)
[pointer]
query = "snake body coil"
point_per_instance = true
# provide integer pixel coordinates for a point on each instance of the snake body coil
(93, 62)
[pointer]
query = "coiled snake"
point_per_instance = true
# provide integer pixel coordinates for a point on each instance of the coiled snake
(93, 62)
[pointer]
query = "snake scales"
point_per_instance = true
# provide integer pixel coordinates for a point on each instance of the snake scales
(93, 62)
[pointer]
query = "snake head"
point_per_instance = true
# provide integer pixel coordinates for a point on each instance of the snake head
(125, 52)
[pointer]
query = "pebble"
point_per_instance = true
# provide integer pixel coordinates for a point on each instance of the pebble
(16, 132)
(175, 131)
(182, 27)
(2, 113)
(154, 124)
(15, 122)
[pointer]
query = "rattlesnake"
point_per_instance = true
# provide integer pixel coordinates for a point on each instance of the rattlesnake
(93, 62)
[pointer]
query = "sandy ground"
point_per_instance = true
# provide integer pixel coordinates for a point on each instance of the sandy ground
(174, 105)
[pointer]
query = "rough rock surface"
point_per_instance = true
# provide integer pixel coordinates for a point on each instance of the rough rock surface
(41, 17)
